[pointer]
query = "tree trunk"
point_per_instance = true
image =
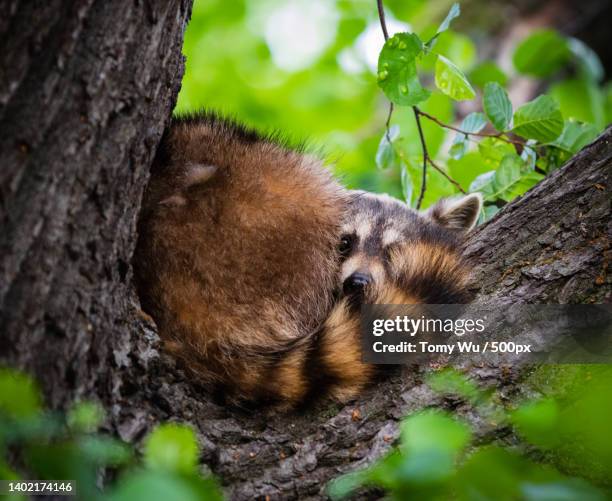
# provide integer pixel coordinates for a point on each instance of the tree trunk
(86, 89)
(90, 88)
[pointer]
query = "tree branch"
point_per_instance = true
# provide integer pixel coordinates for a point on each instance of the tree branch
(499, 135)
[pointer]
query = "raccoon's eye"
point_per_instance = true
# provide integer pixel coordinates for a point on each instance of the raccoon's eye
(346, 245)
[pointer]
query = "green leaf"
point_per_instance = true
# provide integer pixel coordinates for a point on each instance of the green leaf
(62, 460)
(551, 159)
(474, 122)
(342, 486)
(459, 147)
(493, 150)
(510, 180)
(451, 80)
(162, 486)
(104, 451)
(452, 382)
(528, 155)
(85, 417)
(541, 54)
(580, 99)
(508, 173)
(457, 47)
(454, 12)
(427, 468)
(497, 106)
(387, 472)
(397, 73)
(7, 473)
(562, 490)
(465, 170)
(575, 136)
(172, 447)
(587, 59)
(407, 185)
(539, 119)
(488, 211)
(386, 156)
(489, 471)
(19, 395)
(433, 430)
(537, 422)
(527, 181)
(486, 72)
(484, 184)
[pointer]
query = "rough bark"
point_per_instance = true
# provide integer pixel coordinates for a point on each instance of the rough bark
(553, 244)
(86, 88)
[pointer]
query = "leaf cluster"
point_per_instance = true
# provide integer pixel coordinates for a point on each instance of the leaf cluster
(512, 149)
(439, 456)
(52, 446)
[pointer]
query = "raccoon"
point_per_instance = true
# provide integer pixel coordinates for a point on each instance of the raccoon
(254, 261)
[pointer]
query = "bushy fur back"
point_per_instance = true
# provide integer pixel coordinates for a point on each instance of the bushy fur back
(237, 248)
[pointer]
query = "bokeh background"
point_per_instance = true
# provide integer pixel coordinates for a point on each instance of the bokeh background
(307, 68)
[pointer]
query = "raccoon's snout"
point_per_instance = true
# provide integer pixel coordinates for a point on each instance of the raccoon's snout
(355, 283)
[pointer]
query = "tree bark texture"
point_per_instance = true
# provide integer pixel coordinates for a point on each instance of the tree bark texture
(85, 91)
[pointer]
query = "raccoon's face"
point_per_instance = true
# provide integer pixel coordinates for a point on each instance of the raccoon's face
(385, 243)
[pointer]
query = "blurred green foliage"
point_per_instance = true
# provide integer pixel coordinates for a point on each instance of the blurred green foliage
(438, 457)
(566, 450)
(310, 67)
(43, 445)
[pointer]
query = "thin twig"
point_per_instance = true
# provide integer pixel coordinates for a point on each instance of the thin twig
(425, 158)
(450, 179)
(417, 117)
(479, 134)
(381, 16)
(388, 122)
(383, 25)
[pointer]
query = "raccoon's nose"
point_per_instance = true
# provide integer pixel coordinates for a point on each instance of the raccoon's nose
(356, 283)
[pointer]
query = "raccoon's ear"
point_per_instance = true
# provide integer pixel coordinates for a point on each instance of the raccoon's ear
(198, 174)
(458, 214)
(194, 175)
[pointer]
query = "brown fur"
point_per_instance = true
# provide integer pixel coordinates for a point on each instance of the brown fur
(237, 248)
(237, 262)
